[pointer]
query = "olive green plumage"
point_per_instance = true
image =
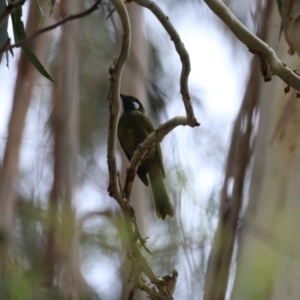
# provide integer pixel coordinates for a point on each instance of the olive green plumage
(134, 126)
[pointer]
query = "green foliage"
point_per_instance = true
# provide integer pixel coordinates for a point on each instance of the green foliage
(50, 5)
(26, 278)
(43, 13)
(20, 34)
(18, 287)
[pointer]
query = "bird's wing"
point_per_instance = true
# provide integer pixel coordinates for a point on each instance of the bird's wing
(149, 128)
(127, 154)
(120, 132)
(159, 155)
(141, 174)
(161, 165)
(146, 123)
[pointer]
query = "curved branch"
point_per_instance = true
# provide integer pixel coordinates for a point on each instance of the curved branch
(114, 187)
(135, 241)
(255, 44)
(155, 137)
(114, 103)
(183, 54)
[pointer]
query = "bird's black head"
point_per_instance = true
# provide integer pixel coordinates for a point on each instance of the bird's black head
(130, 103)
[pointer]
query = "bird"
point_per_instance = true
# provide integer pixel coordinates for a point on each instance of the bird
(133, 128)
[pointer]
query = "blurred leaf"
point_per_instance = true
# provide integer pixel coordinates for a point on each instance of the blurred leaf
(50, 5)
(3, 27)
(43, 13)
(18, 287)
(19, 34)
(279, 4)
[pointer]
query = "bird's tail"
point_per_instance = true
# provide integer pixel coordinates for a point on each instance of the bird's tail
(163, 206)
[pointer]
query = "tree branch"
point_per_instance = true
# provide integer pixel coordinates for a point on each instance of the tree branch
(135, 241)
(114, 106)
(114, 103)
(183, 54)
(255, 45)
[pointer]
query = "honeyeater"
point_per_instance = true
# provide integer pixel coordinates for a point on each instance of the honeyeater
(134, 126)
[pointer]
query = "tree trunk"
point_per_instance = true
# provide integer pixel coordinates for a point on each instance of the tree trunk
(25, 81)
(267, 264)
(62, 253)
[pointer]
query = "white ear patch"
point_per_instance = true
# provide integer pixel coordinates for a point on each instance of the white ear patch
(136, 105)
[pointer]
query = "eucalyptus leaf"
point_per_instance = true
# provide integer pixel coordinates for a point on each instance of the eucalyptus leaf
(50, 4)
(19, 34)
(43, 14)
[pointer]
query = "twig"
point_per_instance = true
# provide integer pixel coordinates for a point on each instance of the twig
(39, 32)
(116, 71)
(255, 44)
(183, 54)
(90, 215)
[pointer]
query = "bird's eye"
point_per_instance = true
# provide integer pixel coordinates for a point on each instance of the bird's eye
(135, 105)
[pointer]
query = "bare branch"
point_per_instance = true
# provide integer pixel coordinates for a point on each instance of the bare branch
(183, 54)
(135, 241)
(114, 102)
(61, 22)
(90, 215)
(255, 44)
